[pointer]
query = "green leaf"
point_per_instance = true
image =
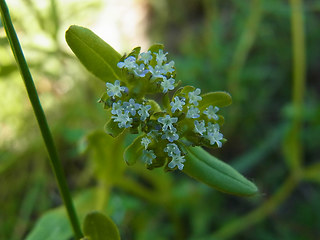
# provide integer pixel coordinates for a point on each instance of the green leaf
(217, 174)
(219, 99)
(183, 91)
(105, 154)
(54, 224)
(154, 105)
(112, 128)
(135, 52)
(133, 152)
(156, 47)
(97, 226)
(94, 53)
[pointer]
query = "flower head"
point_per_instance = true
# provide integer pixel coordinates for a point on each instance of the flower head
(172, 149)
(129, 63)
(168, 68)
(211, 112)
(171, 135)
(146, 57)
(161, 57)
(177, 104)
(167, 84)
(194, 98)
(156, 71)
(123, 119)
(145, 141)
(199, 127)
(177, 160)
(148, 156)
(143, 112)
(114, 89)
(116, 108)
(193, 112)
(213, 127)
(215, 137)
(146, 74)
(140, 71)
(131, 107)
(167, 122)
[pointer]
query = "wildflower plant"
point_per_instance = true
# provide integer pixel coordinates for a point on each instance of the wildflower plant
(172, 123)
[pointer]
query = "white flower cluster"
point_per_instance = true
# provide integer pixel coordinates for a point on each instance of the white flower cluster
(123, 113)
(163, 129)
(141, 67)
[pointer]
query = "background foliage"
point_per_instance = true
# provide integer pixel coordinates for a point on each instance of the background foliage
(243, 47)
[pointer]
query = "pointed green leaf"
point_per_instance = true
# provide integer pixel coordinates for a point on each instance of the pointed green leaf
(217, 174)
(133, 152)
(219, 99)
(94, 53)
(135, 52)
(183, 91)
(97, 226)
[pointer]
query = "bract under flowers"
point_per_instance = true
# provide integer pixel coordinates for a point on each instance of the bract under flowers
(164, 129)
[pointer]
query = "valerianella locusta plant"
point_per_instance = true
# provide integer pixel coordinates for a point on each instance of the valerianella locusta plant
(182, 119)
(142, 96)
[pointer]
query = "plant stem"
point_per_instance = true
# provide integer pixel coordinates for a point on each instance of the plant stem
(42, 121)
(292, 146)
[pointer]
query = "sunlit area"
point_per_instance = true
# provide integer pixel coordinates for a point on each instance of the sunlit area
(178, 160)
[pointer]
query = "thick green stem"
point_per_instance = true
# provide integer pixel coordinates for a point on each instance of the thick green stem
(42, 122)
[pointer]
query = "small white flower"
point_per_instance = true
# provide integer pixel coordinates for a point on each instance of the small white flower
(177, 161)
(170, 135)
(167, 122)
(172, 149)
(211, 112)
(213, 127)
(143, 112)
(167, 84)
(199, 127)
(148, 156)
(129, 63)
(146, 57)
(168, 68)
(215, 137)
(116, 108)
(194, 98)
(193, 113)
(131, 107)
(161, 57)
(145, 142)
(123, 120)
(140, 70)
(114, 89)
(177, 104)
(156, 72)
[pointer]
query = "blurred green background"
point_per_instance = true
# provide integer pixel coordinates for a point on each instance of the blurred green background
(266, 53)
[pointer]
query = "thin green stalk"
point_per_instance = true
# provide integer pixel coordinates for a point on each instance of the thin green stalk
(42, 122)
(293, 145)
